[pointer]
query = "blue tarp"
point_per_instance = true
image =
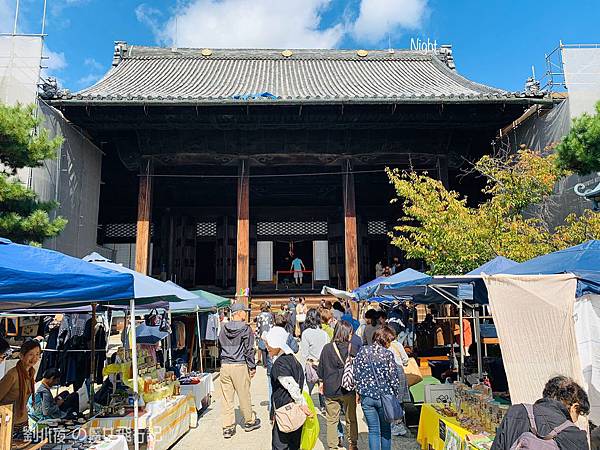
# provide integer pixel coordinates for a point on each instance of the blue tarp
(582, 260)
(497, 265)
(404, 279)
(32, 276)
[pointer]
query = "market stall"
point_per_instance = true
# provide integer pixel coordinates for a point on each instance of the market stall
(557, 295)
(42, 278)
(200, 387)
(35, 277)
(161, 423)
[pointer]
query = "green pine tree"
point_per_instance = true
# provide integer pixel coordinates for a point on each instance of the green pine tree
(24, 143)
(579, 151)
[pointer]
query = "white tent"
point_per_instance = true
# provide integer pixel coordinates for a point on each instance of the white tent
(144, 287)
(545, 331)
(338, 293)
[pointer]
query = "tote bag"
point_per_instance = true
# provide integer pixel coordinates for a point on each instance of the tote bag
(289, 417)
(412, 372)
(392, 408)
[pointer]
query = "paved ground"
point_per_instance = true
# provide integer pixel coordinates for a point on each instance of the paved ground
(208, 435)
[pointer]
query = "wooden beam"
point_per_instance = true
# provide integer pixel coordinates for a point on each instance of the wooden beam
(142, 238)
(350, 231)
(242, 284)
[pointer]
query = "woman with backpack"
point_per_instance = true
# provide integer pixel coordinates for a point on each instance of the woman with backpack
(312, 342)
(381, 387)
(555, 414)
(338, 390)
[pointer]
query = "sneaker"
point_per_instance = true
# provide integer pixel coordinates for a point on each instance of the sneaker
(398, 429)
(229, 432)
(252, 425)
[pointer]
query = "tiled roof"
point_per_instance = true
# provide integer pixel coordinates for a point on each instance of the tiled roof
(160, 75)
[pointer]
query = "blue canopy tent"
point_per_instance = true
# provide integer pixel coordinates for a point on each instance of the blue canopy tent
(406, 279)
(581, 260)
(453, 289)
(32, 276)
(441, 289)
(497, 265)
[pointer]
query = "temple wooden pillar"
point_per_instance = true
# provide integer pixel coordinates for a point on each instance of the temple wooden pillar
(142, 237)
(350, 230)
(242, 277)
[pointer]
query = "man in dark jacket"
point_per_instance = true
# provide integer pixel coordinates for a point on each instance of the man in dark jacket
(563, 400)
(236, 342)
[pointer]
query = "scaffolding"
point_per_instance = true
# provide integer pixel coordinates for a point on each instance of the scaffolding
(554, 77)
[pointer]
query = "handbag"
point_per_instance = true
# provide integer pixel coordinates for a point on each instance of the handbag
(151, 319)
(392, 407)
(311, 374)
(289, 417)
(348, 382)
(164, 323)
(412, 372)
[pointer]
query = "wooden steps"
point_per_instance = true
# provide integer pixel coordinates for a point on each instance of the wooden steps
(312, 301)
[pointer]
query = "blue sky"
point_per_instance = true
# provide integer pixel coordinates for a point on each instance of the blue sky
(495, 42)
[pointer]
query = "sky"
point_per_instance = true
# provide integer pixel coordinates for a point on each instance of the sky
(494, 42)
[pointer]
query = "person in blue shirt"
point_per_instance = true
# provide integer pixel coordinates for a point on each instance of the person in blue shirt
(297, 267)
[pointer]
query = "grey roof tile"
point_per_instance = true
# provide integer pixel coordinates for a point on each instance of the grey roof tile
(143, 74)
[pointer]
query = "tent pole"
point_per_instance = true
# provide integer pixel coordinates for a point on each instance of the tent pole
(461, 340)
(169, 351)
(199, 340)
(478, 341)
(93, 358)
(134, 367)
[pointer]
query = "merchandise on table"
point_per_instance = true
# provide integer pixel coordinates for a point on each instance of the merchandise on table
(200, 389)
(154, 382)
(476, 409)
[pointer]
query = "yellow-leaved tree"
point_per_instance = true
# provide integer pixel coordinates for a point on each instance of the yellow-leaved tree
(440, 228)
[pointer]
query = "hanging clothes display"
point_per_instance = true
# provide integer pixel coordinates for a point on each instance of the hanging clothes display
(178, 341)
(213, 327)
(69, 348)
(50, 357)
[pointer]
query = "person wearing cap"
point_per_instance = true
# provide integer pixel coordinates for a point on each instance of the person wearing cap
(236, 343)
(287, 380)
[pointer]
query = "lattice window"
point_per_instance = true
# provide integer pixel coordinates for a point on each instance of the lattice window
(123, 230)
(377, 227)
(291, 228)
(206, 229)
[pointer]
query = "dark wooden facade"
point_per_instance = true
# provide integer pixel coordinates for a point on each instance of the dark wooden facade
(215, 179)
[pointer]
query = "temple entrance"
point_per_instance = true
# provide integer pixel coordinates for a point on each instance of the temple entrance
(206, 255)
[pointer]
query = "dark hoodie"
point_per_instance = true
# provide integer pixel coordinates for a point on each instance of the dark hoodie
(237, 344)
(548, 415)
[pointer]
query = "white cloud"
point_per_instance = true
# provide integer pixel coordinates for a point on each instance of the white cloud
(55, 62)
(88, 80)
(377, 18)
(96, 70)
(93, 64)
(149, 16)
(245, 24)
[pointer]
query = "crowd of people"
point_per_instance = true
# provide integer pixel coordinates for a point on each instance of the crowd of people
(322, 351)
(325, 353)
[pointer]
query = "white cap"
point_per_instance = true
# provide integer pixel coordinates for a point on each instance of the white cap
(277, 337)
